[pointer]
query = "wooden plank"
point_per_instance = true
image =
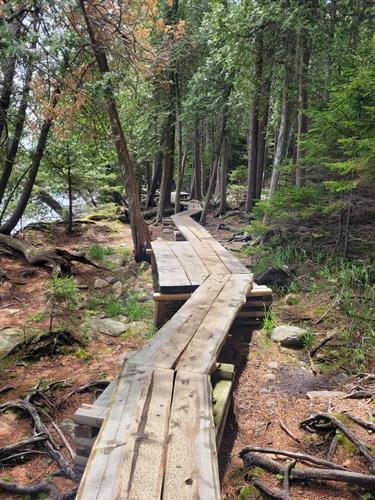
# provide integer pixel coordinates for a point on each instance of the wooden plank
(193, 266)
(171, 274)
(90, 415)
(165, 348)
(201, 354)
(191, 465)
(251, 314)
(170, 297)
(221, 397)
(127, 461)
(229, 260)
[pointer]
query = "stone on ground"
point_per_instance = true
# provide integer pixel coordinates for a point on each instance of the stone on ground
(325, 395)
(289, 336)
(100, 283)
(118, 288)
(9, 338)
(107, 326)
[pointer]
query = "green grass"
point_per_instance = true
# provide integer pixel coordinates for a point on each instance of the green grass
(98, 252)
(308, 339)
(269, 322)
(38, 316)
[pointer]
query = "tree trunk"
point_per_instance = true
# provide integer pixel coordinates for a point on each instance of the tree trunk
(254, 124)
(223, 178)
(19, 123)
(140, 233)
(303, 65)
(262, 131)
(197, 167)
(214, 168)
(282, 139)
(168, 162)
(46, 198)
(155, 179)
(13, 220)
(70, 196)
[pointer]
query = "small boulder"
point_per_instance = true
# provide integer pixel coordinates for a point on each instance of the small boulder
(9, 338)
(269, 377)
(100, 283)
(274, 365)
(116, 260)
(107, 326)
(289, 336)
(325, 395)
(118, 288)
(278, 277)
(10, 311)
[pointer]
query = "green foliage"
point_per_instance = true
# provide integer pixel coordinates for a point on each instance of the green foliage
(37, 316)
(98, 252)
(63, 291)
(308, 339)
(136, 310)
(81, 353)
(269, 322)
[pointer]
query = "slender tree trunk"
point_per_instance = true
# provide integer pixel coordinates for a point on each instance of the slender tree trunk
(282, 139)
(17, 213)
(223, 178)
(214, 169)
(155, 179)
(303, 65)
(254, 124)
(168, 164)
(140, 233)
(19, 123)
(181, 155)
(262, 133)
(197, 168)
(70, 196)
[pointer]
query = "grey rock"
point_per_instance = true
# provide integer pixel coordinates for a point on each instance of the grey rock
(326, 395)
(116, 260)
(274, 365)
(9, 338)
(11, 312)
(118, 288)
(138, 326)
(269, 377)
(107, 326)
(288, 336)
(100, 283)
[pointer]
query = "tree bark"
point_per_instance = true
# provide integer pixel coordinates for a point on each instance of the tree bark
(17, 213)
(254, 124)
(223, 178)
(139, 229)
(303, 66)
(155, 179)
(197, 193)
(19, 123)
(214, 169)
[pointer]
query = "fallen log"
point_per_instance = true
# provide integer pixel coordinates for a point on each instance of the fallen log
(365, 481)
(366, 424)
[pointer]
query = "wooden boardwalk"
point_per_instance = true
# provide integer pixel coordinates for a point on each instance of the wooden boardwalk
(159, 423)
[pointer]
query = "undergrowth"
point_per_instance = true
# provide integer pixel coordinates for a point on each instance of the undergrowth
(350, 288)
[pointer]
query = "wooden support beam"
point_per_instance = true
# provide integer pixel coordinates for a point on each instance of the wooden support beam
(222, 398)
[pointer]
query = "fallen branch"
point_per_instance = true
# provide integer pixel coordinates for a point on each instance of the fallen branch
(332, 448)
(6, 389)
(288, 432)
(363, 480)
(301, 457)
(326, 339)
(100, 384)
(366, 424)
(5, 451)
(331, 422)
(42, 429)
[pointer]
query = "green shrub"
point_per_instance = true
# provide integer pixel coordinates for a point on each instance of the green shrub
(98, 252)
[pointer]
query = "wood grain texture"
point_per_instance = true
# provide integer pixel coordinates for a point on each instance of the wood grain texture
(191, 465)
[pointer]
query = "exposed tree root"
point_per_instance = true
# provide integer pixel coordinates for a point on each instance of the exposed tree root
(326, 422)
(7, 451)
(42, 429)
(308, 473)
(59, 258)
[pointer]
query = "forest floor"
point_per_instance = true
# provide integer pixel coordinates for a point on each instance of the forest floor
(272, 382)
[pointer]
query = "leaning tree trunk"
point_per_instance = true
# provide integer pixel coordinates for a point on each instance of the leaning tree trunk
(17, 213)
(139, 229)
(19, 123)
(304, 57)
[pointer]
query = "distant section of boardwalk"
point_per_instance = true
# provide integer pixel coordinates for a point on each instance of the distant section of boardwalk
(162, 420)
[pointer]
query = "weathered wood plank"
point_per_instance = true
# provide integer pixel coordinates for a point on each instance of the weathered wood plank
(189, 260)
(171, 274)
(191, 464)
(130, 447)
(201, 354)
(165, 348)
